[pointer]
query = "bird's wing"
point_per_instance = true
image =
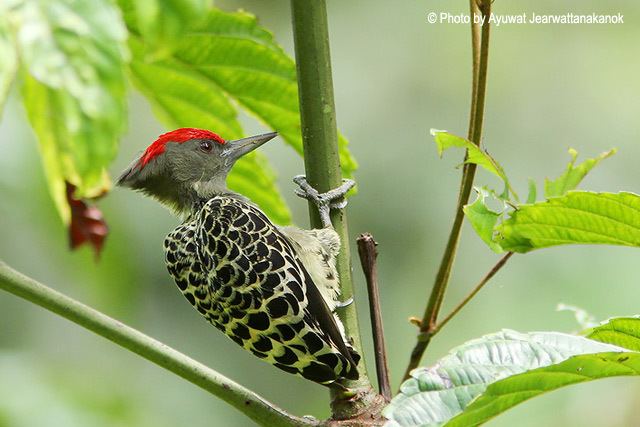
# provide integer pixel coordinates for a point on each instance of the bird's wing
(265, 296)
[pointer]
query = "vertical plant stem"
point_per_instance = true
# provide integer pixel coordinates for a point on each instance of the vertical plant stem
(476, 37)
(480, 57)
(368, 259)
(255, 407)
(322, 164)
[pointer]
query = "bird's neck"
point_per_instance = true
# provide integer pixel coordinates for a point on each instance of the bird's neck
(205, 190)
(201, 193)
(186, 198)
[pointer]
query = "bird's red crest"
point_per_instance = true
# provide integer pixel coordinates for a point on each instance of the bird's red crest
(179, 135)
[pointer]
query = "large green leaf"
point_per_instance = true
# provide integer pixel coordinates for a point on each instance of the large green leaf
(243, 59)
(562, 220)
(566, 218)
(573, 175)
(162, 22)
(182, 97)
(502, 395)
(621, 331)
(433, 396)
(72, 67)
(227, 59)
(511, 391)
(577, 217)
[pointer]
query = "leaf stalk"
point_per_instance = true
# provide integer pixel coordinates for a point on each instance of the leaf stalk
(501, 262)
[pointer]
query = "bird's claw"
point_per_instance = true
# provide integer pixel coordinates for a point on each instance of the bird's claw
(345, 303)
(341, 204)
(332, 199)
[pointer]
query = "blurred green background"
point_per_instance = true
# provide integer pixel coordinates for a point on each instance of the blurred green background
(551, 87)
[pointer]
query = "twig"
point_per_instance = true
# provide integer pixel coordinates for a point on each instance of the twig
(473, 293)
(255, 407)
(480, 52)
(368, 255)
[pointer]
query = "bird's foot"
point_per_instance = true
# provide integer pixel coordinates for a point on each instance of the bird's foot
(332, 199)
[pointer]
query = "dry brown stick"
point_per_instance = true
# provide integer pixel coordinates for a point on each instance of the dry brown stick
(368, 255)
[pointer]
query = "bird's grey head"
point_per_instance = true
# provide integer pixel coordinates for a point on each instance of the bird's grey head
(186, 165)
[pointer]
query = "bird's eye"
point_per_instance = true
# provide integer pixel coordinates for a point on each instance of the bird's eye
(206, 146)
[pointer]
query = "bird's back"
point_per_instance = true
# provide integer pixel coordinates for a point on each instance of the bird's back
(239, 271)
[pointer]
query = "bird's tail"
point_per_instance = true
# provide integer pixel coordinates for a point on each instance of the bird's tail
(351, 369)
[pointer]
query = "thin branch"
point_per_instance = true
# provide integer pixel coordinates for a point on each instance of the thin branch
(255, 407)
(368, 256)
(473, 293)
(319, 132)
(480, 52)
(322, 167)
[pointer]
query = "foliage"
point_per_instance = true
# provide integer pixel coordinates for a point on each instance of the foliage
(194, 63)
(566, 217)
(445, 140)
(571, 177)
(72, 72)
(483, 219)
(487, 376)
(199, 67)
(621, 331)
(577, 217)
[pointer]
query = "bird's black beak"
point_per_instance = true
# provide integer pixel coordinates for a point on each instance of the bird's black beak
(233, 150)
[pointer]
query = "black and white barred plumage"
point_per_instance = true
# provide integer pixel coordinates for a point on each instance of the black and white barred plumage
(248, 278)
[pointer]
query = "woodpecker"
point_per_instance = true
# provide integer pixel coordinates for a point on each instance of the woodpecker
(273, 290)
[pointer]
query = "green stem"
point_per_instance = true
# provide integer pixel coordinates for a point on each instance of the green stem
(501, 262)
(322, 162)
(255, 407)
(480, 52)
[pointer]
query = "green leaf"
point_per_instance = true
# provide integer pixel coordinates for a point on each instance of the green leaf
(9, 59)
(621, 331)
(225, 60)
(573, 175)
(433, 396)
(72, 67)
(575, 218)
(161, 23)
(513, 390)
(533, 192)
(182, 97)
(483, 220)
(445, 140)
(242, 58)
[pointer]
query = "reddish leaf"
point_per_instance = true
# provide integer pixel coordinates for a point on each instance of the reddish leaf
(87, 223)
